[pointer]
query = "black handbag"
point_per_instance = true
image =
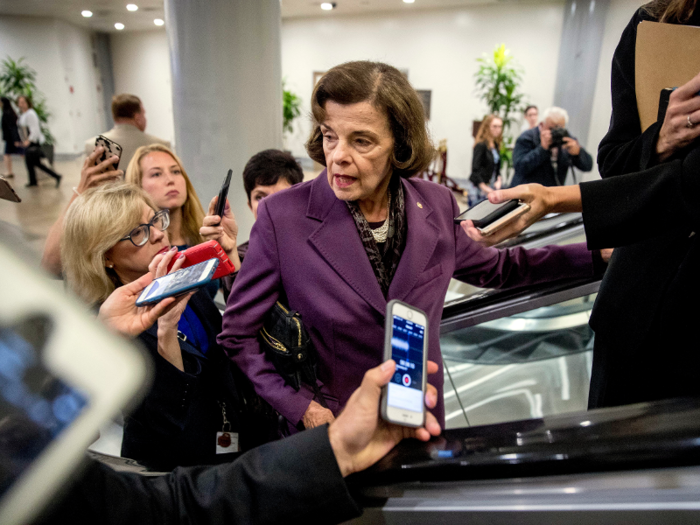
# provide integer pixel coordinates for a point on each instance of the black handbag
(288, 346)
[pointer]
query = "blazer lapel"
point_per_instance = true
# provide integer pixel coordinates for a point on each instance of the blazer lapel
(338, 242)
(421, 240)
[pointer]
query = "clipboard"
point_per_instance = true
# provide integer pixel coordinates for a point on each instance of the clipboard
(666, 56)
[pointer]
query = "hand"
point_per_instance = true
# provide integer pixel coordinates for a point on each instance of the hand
(572, 146)
(159, 268)
(606, 253)
(499, 182)
(674, 134)
(316, 415)
(545, 138)
(485, 188)
(26, 143)
(94, 173)
(359, 438)
(224, 230)
(121, 314)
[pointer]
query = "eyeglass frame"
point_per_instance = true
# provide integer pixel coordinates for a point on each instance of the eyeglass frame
(162, 213)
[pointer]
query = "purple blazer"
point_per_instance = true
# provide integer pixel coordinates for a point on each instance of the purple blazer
(305, 242)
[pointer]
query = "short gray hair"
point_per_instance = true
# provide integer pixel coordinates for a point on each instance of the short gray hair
(555, 113)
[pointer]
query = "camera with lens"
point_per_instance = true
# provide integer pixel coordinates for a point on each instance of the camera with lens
(558, 135)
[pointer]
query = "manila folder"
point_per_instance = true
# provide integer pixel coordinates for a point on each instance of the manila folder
(666, 56)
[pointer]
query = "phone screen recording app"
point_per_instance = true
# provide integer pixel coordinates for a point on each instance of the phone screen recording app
(405, 388)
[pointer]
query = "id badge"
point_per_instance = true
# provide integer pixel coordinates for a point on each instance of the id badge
(226, 442)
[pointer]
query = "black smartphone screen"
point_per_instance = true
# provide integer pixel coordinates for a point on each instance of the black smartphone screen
(485, 212)
(223, 194)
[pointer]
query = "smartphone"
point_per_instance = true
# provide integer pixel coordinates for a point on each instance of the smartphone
(7, 192)
(204, 252)
(223, 194)
(489, 218)
(178, 282)
(664, 97)
(111, 149)
(406, 342)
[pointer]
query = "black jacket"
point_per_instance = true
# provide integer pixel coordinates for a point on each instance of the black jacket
(532, 162)
(483, 165)
(177, 422)
(291, 481)
(10, 133)
(648, 301)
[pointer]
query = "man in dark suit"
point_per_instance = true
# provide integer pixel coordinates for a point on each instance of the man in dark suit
(538, 158)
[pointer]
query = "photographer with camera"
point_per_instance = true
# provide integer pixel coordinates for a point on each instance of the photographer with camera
(545, 153)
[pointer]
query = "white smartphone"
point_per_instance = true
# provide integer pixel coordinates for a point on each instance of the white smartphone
(62, 376)
(178, 282)
(406, 342)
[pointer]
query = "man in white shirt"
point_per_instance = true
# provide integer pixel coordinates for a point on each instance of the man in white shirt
(129, 126)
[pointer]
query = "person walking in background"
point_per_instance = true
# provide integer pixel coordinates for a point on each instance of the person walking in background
(486, 161)
(10, 134)
(129, 128)
(33, 141)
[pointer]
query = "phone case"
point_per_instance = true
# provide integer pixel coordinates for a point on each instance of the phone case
(111, 148)
(500, 223)
(7, 192)
(505, 208)
(174, 293)
(204, 252)
(388, 324)
(223, 194)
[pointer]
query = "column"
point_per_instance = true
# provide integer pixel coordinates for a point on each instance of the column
(225, 57)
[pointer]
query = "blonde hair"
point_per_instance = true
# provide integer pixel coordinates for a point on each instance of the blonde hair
(94, 223)
(484, 133)
(192, 211)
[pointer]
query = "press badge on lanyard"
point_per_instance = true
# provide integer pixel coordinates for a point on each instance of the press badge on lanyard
(226, 441)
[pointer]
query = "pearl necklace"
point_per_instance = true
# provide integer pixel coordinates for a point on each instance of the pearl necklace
(380, 233)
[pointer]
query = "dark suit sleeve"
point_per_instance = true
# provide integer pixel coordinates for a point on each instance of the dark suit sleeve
(481, 168)
(637, 206)
(296, 480)
(625, 149)
(528, 155)
(583, 160)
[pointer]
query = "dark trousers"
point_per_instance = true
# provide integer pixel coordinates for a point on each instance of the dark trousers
(32, 158)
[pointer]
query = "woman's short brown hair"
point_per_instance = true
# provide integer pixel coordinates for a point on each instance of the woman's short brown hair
(388, 90)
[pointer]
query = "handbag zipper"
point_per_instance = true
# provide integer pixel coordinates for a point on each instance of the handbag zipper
(272, 341)
(294, 318)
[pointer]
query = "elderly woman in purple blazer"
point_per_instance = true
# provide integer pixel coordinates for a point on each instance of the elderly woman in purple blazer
(364, 232)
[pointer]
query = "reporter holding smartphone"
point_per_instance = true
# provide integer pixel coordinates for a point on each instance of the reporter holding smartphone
(338, 248)
(114, 234)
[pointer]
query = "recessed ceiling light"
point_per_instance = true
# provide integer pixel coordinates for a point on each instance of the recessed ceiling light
(86, 13)
(328, 6)
(132, 7)
(408, 1)
(119, 26)
(159, 22)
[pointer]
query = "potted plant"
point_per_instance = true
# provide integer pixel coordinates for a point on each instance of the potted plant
(498, 85)
(291, 109)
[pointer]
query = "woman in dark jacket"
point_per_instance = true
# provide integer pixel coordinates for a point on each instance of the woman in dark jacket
(641, 349)
(10, 134)
(113, 234)
(486, 160)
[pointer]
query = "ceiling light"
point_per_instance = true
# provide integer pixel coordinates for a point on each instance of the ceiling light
(86, 13)
(159, 22)
(132, 7)
(119, 26)
(328, 6)
(408, 1)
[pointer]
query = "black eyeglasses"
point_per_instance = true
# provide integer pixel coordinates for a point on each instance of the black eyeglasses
(140, 235)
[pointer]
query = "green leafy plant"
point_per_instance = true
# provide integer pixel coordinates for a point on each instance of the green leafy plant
(291, 107)
(17, 78)
(498, 85)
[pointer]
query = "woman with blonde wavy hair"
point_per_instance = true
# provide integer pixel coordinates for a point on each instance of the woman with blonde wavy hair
(486, 160)
(113, 235)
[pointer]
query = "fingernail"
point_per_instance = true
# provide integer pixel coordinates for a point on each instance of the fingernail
(387, 365)
(180, 255)
(173, 249)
